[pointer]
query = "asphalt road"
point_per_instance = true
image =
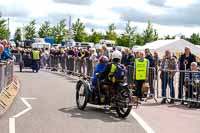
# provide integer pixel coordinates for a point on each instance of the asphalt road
(54, 109)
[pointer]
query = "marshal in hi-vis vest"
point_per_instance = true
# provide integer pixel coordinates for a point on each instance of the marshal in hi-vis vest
(36, 54)
(141, 69)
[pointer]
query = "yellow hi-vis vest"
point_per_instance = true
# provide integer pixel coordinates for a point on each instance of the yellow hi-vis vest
(111, 73)
(141, 69)
(36, 54)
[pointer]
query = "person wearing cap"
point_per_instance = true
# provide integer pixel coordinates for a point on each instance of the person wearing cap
(184, 64)
(191, 78)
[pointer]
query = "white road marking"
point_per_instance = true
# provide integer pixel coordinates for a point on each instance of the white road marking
(11, 125)
(146, 127)
(12, 119)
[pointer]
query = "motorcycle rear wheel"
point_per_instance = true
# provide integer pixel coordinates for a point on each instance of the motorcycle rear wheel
(123, 112)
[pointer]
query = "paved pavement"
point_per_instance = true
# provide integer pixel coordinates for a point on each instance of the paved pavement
(170, 118)
(54, 109)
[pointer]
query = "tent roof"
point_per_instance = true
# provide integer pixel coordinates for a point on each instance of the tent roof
(158, 44)
(175, 45)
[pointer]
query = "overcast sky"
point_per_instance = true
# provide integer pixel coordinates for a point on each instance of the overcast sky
(168, 16)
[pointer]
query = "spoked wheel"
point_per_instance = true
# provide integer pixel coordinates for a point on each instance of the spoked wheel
(81, 97)
(125, 106)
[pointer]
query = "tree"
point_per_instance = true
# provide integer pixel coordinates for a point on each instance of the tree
(79, 31)
(169, 37)
(150, 34)
(95, 37)
(139, 40)
(45, 30)
(58, 32)
(18, 35)
(3, 29)
(110, 33)
(30, 30)
(127, 39)
(195, 38)
(123, 40)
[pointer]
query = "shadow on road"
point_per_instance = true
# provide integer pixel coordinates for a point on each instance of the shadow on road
(176, 105)
(93, 113)
(151, 104)
(23, 71)
(184, 107)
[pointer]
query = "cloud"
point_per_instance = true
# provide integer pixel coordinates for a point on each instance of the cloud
(185, 16)
(157, 2)
(75, 2)
(14, 11)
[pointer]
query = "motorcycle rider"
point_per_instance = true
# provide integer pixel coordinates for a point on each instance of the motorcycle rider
(109, 73)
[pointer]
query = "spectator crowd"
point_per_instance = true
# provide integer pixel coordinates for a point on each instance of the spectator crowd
(82, 61)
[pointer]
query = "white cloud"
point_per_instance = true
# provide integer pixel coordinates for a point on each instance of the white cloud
(100, 13)
(180, 3)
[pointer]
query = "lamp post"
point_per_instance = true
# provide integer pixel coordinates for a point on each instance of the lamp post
(8, 28)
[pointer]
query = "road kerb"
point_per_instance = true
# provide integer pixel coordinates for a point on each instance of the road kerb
(8, 95)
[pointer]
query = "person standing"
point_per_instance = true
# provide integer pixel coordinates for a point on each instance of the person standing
(141, 73)
(35, 59)
(156, 64)
(105, 50)
(128, 58)
(6, 55)
(70, 57)
(184, 64)
(168, 70)
(149, 56)
(81, 55)
(90, 60)
(1, 50)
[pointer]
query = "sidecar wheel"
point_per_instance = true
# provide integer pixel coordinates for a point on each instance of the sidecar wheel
(81, 96)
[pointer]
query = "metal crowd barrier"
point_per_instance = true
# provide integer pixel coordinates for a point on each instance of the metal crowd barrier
(182, 85)
(162, 83)
(18, 57)
(179, 85)
(6, 75)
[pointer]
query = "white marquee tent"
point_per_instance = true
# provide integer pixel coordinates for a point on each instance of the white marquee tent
(175, 46)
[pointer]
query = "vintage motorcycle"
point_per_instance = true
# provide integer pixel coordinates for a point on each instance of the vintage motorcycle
(116, 96)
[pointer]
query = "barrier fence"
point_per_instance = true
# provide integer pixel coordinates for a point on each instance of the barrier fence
(6, 75)
(178, 85)
(18, 57)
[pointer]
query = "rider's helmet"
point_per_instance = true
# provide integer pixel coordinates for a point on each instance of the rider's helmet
(116, 55)
(103, 59)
